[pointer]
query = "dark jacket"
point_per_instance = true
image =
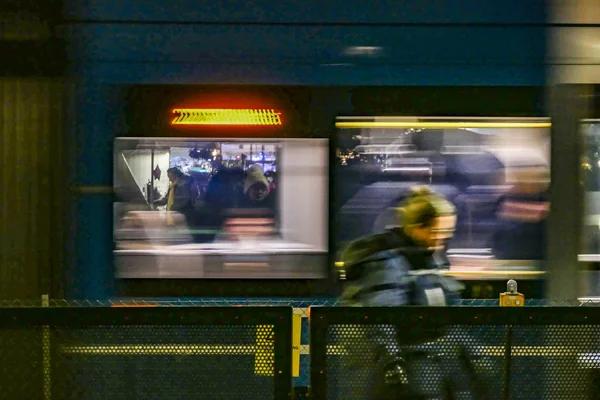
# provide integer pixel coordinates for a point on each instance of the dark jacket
(226, 195)
(389, 269)
(184, 196)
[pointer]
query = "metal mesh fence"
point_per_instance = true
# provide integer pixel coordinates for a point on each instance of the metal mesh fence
(500, 353)
(301, 349)
(169, 362)
(128, 354)
(296, 303)
(566, 356)
(354, 362)
(21, 360)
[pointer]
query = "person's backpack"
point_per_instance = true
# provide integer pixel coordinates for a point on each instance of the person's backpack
(429, 288)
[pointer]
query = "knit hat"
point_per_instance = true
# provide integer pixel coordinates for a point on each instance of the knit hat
(255, 176)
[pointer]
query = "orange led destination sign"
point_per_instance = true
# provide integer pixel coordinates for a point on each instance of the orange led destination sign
(220, 116)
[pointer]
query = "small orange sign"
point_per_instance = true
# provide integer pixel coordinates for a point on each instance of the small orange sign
(509, 299)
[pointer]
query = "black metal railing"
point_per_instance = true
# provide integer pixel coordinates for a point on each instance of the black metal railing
(182, 352)
(146, 353)
(495, 353)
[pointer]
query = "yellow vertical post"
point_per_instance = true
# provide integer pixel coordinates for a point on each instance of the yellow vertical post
(296, 336)
(47, 371)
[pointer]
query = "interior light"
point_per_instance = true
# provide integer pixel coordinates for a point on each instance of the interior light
(439, 125)
(368, 51)
(240, 117)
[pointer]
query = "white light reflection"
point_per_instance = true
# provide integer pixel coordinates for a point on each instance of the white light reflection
(364, 51)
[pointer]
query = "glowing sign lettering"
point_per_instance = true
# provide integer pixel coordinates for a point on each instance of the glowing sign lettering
(242, 117)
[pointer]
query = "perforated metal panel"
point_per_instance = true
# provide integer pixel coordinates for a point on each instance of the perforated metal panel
(220, 359)
(165, 362)
(555, 362)
(21, 371)
(357, 357)
(531, 354)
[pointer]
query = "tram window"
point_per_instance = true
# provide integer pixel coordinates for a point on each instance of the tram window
(221, 209)
(495, 171)
(591, 175)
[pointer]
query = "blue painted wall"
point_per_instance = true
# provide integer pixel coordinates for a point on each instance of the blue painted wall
(423, 43)
(312, 11)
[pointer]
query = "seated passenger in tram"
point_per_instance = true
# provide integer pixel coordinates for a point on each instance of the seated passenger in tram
(257, 191)
(180, 196)
(234, 194)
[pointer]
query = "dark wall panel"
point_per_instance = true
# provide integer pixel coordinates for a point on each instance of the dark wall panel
(32, 58)
(33, 186)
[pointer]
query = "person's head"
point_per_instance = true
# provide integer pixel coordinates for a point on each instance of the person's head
(256, 186)
(428, 218)
(532, 179)
(174, 173)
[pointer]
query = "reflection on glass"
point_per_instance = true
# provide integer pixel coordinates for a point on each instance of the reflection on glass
(591, 175)
(496, 173)
(210, 208)
(590, 249)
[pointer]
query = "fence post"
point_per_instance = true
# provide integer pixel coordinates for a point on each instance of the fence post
(510, 298)
(507, 356)
(47, 371)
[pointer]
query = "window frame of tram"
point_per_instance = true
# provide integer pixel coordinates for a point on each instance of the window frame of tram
(589, 256)
(376, 102)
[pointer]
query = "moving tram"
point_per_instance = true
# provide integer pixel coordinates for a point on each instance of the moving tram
(284, 177)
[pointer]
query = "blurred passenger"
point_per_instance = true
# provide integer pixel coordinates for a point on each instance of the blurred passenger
(180, 196)
(272, 179)
(257, 190)
(522, 215)
(223, 188)
(398, 268)
(233, 193)
(233, 188)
